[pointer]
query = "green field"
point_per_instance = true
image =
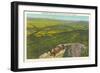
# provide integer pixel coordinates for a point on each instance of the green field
(44, 34)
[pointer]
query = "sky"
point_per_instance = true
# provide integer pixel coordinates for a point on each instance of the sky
(59, 16)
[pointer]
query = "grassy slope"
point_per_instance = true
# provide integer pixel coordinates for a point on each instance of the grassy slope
(44, 34)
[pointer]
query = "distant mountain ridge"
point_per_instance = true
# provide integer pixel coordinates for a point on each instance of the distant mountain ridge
(68, 21)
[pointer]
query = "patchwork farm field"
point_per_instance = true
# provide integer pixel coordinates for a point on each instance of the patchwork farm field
(44, 34)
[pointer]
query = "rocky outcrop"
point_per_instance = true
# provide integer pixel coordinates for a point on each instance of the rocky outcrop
(73, 50)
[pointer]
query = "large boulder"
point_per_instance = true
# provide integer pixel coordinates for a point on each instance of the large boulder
(74, 49)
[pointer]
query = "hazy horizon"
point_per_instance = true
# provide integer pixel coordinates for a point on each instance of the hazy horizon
(59, 17)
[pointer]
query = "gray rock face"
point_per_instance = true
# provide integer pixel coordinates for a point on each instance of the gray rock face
(74, 49)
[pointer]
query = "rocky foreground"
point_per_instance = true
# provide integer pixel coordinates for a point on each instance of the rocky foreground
(73, 50)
